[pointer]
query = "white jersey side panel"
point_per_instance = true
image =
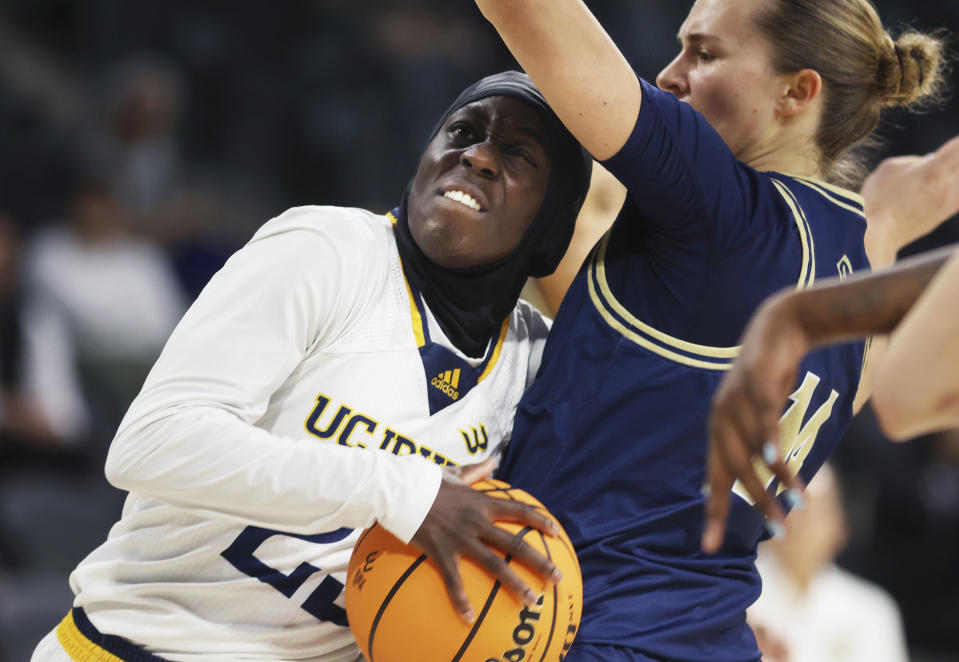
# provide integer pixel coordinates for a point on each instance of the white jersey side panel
(288, 411)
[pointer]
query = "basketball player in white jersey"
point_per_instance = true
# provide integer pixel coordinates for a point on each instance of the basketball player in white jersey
(318, 384)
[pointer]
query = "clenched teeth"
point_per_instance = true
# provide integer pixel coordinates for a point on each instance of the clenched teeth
(465, 198)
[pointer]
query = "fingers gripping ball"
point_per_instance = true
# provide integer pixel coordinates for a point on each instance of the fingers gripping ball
(398, 608)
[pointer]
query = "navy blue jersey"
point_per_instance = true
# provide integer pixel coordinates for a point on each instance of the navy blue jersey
(612, 434)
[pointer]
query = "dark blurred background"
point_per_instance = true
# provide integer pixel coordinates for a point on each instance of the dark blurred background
(143, 142)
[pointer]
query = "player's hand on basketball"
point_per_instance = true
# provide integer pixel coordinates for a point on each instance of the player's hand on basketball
(744, 420)
(460, 523)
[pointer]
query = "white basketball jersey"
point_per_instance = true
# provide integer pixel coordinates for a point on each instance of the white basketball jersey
(306, 394)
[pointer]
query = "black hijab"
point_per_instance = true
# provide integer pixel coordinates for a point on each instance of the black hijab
(471, 304)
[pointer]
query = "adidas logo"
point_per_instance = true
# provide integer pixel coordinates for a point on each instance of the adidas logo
(447, 382)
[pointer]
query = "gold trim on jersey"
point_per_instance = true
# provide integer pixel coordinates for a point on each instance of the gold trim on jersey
(840, 197)
(78, 647)
(865, 355)
(414, 311)
(710, 358)
(496, 351)
(680, 351)
(416, 319)
(807, 271)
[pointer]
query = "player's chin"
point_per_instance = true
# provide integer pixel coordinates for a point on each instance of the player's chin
(450, 247)
(466, 257)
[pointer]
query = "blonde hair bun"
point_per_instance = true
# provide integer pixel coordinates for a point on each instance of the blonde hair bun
(910, 69)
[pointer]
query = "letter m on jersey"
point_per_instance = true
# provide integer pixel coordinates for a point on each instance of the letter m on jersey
(797, 437)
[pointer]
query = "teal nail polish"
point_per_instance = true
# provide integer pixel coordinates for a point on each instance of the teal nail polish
(770, 453)
(775, 528)
(794, 498)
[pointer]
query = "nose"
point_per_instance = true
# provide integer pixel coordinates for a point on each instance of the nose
(673, 78)
(482, 158)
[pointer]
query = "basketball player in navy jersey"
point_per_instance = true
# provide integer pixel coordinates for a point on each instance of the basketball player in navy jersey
(731, 166)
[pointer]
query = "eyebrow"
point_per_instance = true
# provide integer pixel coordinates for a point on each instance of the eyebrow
(526, 130)
(696, 38)
(534, 135)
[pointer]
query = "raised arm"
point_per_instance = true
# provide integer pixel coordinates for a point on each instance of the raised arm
(916, 385)
(744, 421)
(576, 66)
(908, 197)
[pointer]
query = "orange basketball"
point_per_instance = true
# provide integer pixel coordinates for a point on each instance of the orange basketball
(398, 608)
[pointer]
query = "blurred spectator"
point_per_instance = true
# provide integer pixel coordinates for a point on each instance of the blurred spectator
(106, 300)
(772, 647)
(32, 419)
(98, 306)
(818, 611)
(44, 501)
(135, 147)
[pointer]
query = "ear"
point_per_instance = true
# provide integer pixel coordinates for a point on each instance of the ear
(801, 90)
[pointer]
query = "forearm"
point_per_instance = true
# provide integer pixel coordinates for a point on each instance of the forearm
(194, 437)
(576, 66)
(873, 303)
(916, 387)
(207, 460)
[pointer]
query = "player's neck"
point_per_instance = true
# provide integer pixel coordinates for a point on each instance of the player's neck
(789, 152)
(802, 167)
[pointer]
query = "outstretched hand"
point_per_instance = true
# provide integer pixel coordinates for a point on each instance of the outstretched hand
(744, 420)
(908, 197)
(460, 523)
